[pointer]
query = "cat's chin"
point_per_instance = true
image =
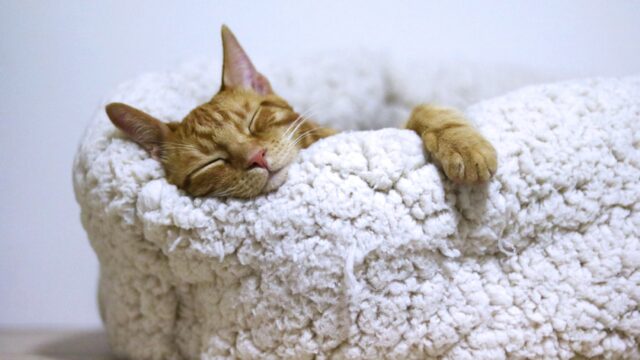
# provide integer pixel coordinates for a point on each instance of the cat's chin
(275, 180)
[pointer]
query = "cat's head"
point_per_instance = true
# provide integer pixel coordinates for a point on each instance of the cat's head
(238, 144)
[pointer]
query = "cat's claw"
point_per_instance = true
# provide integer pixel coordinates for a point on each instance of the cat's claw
(465, 155)
(469, 164)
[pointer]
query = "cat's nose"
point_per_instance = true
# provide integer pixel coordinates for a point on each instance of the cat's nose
(257, 159)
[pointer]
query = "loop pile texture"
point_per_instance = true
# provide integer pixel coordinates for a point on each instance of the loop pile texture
(367, 251)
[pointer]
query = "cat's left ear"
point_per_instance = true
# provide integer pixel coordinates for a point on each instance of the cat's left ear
(144, 129)
(237, 69)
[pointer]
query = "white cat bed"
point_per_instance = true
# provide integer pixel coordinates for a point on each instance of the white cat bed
(367, 251)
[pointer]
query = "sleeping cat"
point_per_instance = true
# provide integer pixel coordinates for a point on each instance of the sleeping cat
(241, 142)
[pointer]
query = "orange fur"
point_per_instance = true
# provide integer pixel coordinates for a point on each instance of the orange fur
(209, 152)
(462, 152)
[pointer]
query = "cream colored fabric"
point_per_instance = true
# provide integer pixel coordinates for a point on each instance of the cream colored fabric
(367, 251)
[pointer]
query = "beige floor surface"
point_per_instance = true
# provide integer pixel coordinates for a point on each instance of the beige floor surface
(54, 345)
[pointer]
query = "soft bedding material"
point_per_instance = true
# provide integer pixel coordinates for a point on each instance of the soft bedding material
(367, 251)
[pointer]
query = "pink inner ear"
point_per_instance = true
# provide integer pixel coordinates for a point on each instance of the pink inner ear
(238, 71)
(261, 85)
(142, 128)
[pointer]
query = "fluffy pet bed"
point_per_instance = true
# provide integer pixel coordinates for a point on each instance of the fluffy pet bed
(367, 251)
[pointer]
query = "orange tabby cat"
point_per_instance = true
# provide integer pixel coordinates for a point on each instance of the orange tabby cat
(240, 143)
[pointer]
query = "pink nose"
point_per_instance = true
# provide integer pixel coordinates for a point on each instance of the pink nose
(257, 159)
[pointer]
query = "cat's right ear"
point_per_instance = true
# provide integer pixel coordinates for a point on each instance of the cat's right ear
(237, 70)
(142, 128)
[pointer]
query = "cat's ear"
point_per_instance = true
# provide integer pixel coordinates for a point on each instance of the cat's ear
(237, 69)
(142, 128)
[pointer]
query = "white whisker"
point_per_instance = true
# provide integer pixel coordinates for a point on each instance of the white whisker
(302, 117)
(293, 126)
(225, 192)
(302, 136)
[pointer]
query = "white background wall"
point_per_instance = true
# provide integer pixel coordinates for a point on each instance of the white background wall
(57, 58)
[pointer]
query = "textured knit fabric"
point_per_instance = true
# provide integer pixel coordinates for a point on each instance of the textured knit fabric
(367, 251)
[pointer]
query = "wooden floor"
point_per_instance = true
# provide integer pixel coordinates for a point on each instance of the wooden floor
(54, 345)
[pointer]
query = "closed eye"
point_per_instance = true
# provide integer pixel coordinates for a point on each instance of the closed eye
(250, 127)
(205, 165)
(265, 103)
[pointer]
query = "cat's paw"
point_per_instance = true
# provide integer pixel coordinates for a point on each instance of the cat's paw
(465, 156)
